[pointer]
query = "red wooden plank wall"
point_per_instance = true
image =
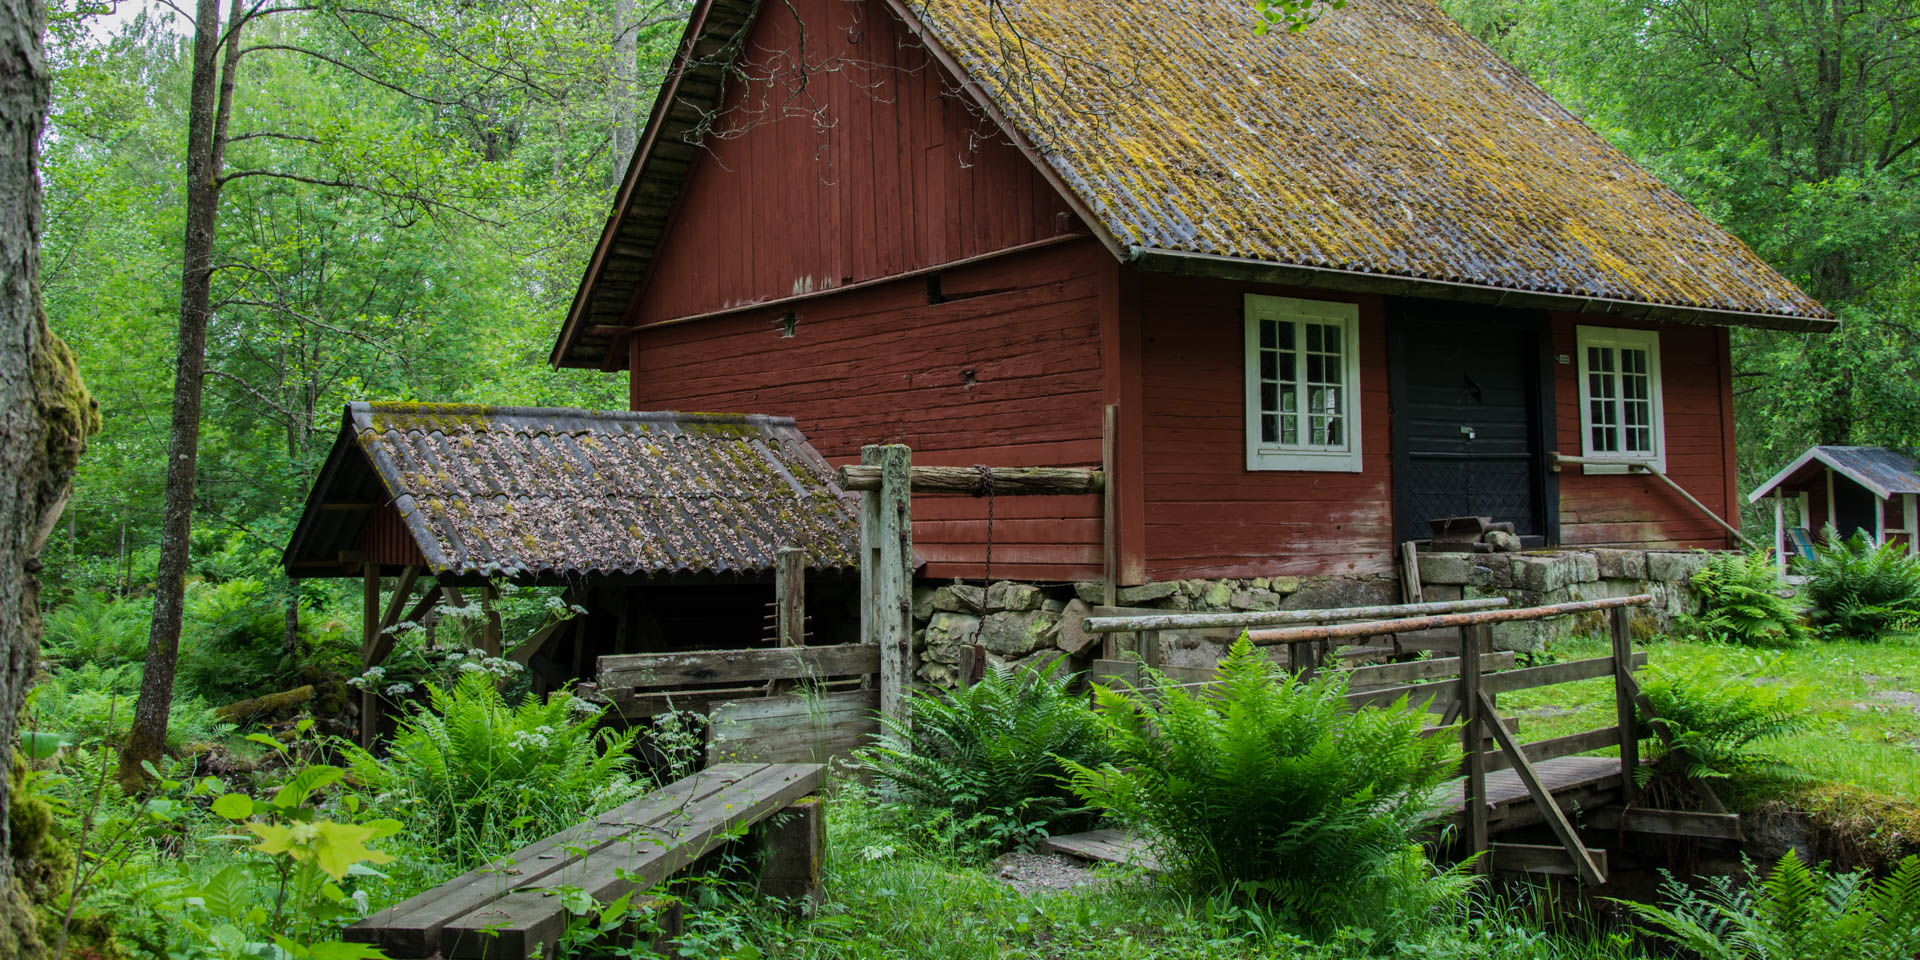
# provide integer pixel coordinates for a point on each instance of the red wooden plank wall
(868, 169)
(1007, 372)
(1622, 510)
(385, 539)
(1207, 514)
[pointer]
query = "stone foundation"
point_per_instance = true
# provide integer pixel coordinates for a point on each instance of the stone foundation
(1031, 623)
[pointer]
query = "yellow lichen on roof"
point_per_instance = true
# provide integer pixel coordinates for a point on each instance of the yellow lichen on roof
(1382, 139)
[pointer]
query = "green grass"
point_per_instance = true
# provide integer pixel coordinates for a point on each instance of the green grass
(1855, 737)
(890, 899)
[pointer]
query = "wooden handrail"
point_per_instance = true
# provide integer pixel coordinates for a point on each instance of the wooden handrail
(1267, 618)
(1376, 628)
(1644, 466)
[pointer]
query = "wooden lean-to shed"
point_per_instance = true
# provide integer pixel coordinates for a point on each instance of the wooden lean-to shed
(669, 528)
(1853, 489)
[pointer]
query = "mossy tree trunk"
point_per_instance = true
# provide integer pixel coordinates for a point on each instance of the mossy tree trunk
(45, 413)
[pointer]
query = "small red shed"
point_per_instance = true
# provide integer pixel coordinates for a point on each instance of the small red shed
(1334, 284)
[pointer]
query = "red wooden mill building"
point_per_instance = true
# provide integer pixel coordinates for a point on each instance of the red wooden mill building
(1337, 284)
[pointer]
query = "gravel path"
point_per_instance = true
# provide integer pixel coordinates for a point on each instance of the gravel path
(1032, 873)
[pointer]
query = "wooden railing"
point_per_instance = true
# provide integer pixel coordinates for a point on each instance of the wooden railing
(1464, 689)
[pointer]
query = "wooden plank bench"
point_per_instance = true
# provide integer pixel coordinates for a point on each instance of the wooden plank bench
(508, 910)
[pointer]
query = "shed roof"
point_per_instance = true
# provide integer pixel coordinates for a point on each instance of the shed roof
(564, 494)
(1884, 472)
(1384, 143)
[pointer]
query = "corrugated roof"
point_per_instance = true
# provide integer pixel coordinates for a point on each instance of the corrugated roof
(1887, 473)
(1384, 139)
(553, 492)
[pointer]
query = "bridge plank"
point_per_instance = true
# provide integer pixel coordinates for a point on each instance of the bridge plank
(530, 918)
(411, 927)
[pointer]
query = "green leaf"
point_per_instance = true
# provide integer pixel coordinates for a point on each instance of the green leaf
(39, 745)
(233, 806)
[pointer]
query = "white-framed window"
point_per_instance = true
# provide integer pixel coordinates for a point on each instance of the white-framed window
(1302, 384)
(1620, 413)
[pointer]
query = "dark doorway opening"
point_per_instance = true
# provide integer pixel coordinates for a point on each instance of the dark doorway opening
(1472, 401)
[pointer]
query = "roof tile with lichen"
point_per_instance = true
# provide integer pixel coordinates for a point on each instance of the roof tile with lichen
(536, 493)
(1383, 139)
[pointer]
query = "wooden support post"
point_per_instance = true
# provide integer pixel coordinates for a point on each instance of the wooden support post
(790, 596)
(1150, 653)
(794, 842)
(490, 620)
(1622, 622)
(1411, 589)
(1832, 517)
(1110, 505)
(1472, 741)
(1780, 529)
(369, 641)
(398, 602)
(1589, 871)
(1879, 521)
(1913, 524)
(886, 572)
(789, 606)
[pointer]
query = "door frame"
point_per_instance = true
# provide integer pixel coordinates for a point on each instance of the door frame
(1543, 423)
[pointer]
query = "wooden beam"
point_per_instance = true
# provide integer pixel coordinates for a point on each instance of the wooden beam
(383, 644)
(401, 592)
(1267, 618)
(530, 646)
(1348, 631)
(1475, 794)
(1411, 589)
(1109, 506)
(1700, 787)
(790, 597)
(348, 507)
(650, 670)
(1524, 678)
(490, 620)
(1544, 859)
(1644, 467)
(1620, 620)
(369, 639)
(886, 571)
(1589, 872)
(1913, 524)
(972, 481)
(1667, 823)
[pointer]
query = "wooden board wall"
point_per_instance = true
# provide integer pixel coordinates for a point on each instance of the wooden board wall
(1007, 371)
(1207, 515)
(1630, 511)
(865, 168)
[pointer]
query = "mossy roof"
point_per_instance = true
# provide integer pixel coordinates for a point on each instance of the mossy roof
(555, 493)
(1383, 139)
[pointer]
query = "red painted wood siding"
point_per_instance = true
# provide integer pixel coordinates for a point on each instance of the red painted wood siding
(868, 170)
(385, 539)
(1207, 515)
(1623, 510)
(1008, 372)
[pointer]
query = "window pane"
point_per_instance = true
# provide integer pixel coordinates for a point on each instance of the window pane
(1290, 426)
(1269, 429)
(1313, 368)
(1267, 334)
(1313, 336)
(1285, 331)
(1335, 434)
(1269, 365)
(1269, 397)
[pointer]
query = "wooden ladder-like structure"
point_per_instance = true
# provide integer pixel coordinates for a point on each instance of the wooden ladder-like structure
(1504, 785)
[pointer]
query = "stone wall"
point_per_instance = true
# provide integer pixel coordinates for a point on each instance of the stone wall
(1036, 623)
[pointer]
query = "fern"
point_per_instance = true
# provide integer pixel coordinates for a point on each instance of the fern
(1796, 913)
(1710, 730)
(985, 763)
(1741, 601)
(1862, 591)
(1275, 786)
(470, 774)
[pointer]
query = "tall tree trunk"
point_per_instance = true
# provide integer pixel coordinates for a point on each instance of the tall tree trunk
(626, 116)
(210, 98)
(45, 414)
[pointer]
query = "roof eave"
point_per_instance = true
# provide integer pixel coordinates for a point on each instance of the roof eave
(1185, 263)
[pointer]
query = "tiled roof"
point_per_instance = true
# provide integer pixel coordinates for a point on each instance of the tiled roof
(1888, 473)
(1383, 139)
(540, 493)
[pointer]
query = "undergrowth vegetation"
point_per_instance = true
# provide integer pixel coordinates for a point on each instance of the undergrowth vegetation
(1274, 787)
(1795, 912)
(1714, 729)
(1862, 590)
(1743, 600)
(984, 767)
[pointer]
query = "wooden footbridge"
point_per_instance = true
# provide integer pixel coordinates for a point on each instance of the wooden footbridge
(1504, 786)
